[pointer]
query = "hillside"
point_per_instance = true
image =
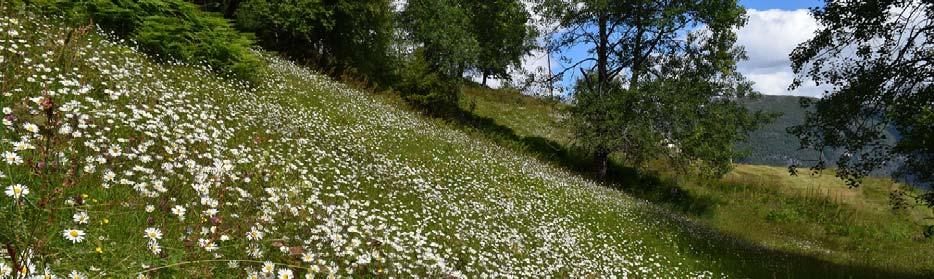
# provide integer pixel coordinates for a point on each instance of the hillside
(813, 215)
(150, 170)
(139, 169)
(772, 144)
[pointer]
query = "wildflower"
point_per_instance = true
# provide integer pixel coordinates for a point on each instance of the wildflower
(22, 145)
(179, 211)
(99, 250)
(12, 158)
(109, 176)
(154, 247)
(153, 234)
(285, 273)
(269, 268)
(73, 235)
(254, 234)
(150, 208)
(76, 275)
(17, 191)
(46, 274)
(81, 218)
(32, 128)
(5, 270)
(308, 258)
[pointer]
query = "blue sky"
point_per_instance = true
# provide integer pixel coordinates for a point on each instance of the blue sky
(774, 29)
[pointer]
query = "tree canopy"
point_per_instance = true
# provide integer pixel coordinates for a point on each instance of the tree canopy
(503, 34)
(663, 80)
(877, 56)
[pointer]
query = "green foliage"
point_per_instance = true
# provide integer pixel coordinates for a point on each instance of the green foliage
(440, 32)
(502, 33)
(347, 36)
(877, 56)
(651, 94)
(171, 29)
(426, 88)
(441, 28)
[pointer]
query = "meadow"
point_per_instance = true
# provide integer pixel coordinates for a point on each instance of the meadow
(120, 165)
(812, 214)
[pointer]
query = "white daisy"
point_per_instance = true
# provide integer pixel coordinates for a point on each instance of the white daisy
(285, 273)
(12, 158)
(17, 191)
(22, 145)
(81, 218)
(153, 234)
(154, 247)
(308, 258)
(268, 268)
(254, 234)
(76, 275)
(5, 270)
(32, 128)
(179, 211)
(73, 235)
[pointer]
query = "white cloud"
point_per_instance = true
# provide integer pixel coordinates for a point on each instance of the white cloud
(769, 37)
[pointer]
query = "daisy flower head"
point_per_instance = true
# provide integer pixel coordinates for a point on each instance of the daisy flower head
(76, 275)
(32, 128)
(73, 235)
(153, 234)
(268, 268)
(179, 211)
(22, 145)
(12, 158)
(308, 258)
(46, 274)
(17, 191)
(5, 270)
(154, 247)
(254, 234)
(81, 218)
(285, 273)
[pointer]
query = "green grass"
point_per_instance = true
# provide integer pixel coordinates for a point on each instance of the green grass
(812, 215)
(362, 186)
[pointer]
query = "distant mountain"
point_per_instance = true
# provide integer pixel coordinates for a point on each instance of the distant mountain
(772, 144)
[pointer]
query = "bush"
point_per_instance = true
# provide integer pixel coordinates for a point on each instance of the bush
(428, 89)
(347, 37)
(172, 29)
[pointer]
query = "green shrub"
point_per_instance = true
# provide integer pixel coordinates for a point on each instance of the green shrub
(169, 29)
(345, 37)
(428, 89)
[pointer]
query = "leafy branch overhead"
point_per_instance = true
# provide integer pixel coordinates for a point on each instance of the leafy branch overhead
(878, 59)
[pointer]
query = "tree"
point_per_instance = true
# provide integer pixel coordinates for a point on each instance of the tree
(439, 32)
(503, 34)
(651, 91)
(348, 36)
(877, 56)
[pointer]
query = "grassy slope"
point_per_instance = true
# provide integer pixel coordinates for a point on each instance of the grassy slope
(362, 187)
(302, 164)
(814, 215)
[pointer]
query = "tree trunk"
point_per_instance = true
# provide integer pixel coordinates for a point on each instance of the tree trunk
(231, 8)
(602, 50)
(484, 78)
(600, 158)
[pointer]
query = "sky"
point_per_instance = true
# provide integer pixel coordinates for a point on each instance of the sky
(774, 29)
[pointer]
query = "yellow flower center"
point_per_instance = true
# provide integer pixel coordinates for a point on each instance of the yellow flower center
(73, 233)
